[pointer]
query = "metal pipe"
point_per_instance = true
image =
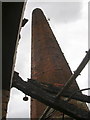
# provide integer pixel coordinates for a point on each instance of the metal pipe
(76, 73)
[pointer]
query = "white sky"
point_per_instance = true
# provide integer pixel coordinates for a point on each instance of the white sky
(69, 22)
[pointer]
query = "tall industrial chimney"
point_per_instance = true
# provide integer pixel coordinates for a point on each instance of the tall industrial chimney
(48, 63)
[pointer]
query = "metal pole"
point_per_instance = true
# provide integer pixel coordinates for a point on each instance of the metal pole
(76, 73)
(70, 81)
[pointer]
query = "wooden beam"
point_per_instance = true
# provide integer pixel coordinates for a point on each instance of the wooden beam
(50, 88)
(32, 89)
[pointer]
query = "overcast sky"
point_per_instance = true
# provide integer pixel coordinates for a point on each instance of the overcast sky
(69, 23)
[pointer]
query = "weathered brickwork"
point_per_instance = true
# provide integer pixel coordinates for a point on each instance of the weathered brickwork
(48, 61)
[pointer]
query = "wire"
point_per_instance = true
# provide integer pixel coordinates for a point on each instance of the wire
(76, 92)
